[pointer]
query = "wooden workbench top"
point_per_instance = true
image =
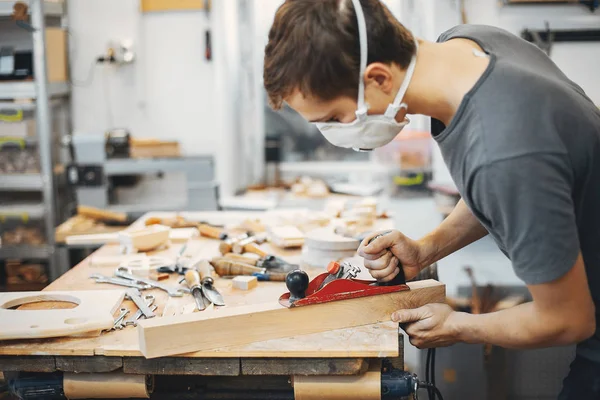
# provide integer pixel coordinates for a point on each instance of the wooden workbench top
(381, 340)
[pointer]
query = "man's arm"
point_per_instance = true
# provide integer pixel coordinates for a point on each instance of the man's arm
(562, 312)
(459, 229)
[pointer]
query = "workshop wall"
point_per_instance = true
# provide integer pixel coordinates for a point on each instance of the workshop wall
(169, 92)
(577, 60)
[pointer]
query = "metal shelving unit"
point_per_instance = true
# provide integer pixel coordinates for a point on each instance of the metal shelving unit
(43, 95)
(21, 182)
(25, 251)
(27, 89)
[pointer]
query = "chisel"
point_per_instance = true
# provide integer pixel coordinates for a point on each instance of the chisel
(192, 278)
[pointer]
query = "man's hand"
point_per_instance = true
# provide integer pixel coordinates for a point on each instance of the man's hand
(383, 264)
(428, 326)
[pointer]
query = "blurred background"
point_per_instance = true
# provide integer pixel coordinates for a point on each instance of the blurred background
(147, 105)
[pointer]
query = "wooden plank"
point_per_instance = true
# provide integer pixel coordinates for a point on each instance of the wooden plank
(27, 364)
(247, 324)
(182, 366)
(171, 5)
(304, 366)
(88, 364)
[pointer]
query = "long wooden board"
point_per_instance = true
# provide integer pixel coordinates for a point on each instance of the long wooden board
(247, 324)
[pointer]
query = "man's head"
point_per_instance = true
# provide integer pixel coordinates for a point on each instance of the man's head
(312, 60)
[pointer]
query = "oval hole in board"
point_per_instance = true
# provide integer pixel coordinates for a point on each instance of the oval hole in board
(58, 302)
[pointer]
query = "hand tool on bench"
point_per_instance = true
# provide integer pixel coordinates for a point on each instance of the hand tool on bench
(270, 262)
(99, 278)
(250, 245)
(212, 232)
(132, 321)
(202, 286)
(148, 301)
(178, 265)
(135, 296)
(226, 267)
(117, 325)
(210, 292)
(304, 292)
(226, 246)
(192, 278)
(340, 271)
(123, 272)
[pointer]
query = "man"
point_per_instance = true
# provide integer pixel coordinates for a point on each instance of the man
(521, 141)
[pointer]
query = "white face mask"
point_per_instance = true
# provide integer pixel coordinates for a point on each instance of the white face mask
(367, 132)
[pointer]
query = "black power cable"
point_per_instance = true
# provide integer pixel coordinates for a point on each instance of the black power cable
(432, 391)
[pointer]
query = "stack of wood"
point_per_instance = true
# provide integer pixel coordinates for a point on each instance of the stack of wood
(25, 276)
(32, 235)
(90, 220)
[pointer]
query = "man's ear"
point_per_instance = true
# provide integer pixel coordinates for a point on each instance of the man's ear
(380, 74)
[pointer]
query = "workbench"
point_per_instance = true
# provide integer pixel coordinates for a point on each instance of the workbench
(340, 352)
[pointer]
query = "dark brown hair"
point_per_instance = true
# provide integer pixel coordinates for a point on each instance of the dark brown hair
(314, 47)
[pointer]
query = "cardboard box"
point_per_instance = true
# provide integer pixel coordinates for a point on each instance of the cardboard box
(56, 55)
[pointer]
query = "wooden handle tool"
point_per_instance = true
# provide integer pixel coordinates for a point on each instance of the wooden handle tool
(225, 267)
(226, 246)
(240, 246)
(255, 249)
(211, 232)
(192, 278)
(241, 258)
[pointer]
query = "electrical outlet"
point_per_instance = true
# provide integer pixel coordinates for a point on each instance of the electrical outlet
(120, 52)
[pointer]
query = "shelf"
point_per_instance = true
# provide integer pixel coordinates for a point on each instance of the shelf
(25, 106)
(21, 182)
(23, 210)
(26, 89)
(25, 251)
(51, 8)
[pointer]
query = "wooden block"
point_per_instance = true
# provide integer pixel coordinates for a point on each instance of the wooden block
(171, 5)
(244, 282)
(159, 276)
(154, 149)
(264, 321)
(56, 51)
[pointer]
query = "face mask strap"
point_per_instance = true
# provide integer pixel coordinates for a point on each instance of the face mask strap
(393, 108)
(361, 111)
